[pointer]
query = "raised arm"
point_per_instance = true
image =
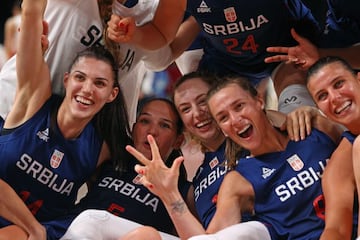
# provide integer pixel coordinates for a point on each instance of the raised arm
(152, 35)
(33, 79)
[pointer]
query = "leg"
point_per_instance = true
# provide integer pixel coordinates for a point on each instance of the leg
(13, 232)
(142, 233)
(252, 230)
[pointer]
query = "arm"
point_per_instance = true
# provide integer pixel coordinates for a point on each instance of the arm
(33, 79)
(356, 165)
(339, 188)
(162, 181)
(13, 209)
(233, 199)
(153, 35)
(306, 54)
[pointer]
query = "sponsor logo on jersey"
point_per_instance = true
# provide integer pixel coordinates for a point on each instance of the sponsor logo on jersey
(203, 8)
(43, 135)
(267, 172)
(213, 163)
(295, 162)
(230, 14)
(56, 158)
(291, 99)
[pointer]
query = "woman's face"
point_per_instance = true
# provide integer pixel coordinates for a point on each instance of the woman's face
(337, 93)
(158, 119)
(190, 101)
(239, 115)
(89, 86)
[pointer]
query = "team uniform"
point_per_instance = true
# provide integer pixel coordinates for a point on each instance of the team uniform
(45, 169)
(75, 25)
(287, 185)
(342, 27)
(124, 197)
(236, 35)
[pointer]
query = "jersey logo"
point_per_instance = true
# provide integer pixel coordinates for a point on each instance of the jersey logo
(230, 14)
(267, 172)
(295, 162)
(290, 100)
(56, 158)
(203, 8)
(43, 135)
(213, 163)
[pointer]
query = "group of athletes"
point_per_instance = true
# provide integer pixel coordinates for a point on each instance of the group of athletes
(267, 92)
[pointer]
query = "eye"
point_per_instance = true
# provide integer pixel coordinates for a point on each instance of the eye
(165, 125)
(100, 83)
(338, 84)
(239, 106)
(79, 77)
(322, 96)
(184, 109)
(143, 121)
(221, 118)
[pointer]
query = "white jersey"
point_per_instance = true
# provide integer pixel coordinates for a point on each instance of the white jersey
(73, 26)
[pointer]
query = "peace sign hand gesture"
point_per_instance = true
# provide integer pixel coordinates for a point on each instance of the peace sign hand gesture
(157, 177)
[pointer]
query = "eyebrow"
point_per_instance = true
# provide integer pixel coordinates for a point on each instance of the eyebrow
(163, 119)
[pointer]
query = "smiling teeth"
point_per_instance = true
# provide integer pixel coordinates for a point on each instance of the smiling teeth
(244, 129)
(199, 125)
(83, 100)
(344, 105)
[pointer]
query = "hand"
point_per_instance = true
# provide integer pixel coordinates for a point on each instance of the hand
(302, 56)
(38, 234)
(44, 37)
(299, 122)
(121, 30)
(157, 177)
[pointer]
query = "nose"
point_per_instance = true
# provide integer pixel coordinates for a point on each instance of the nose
(198, 111)
(334, 96)
(153, 130)
(87, 86)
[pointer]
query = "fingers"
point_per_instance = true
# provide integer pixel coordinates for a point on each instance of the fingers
(138, 155)
(176, 164)
(155, 153)
(277, 58)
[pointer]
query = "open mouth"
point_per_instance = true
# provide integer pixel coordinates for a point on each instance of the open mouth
(83, 100)
(246, 132)
(203, 123)
(346, 105)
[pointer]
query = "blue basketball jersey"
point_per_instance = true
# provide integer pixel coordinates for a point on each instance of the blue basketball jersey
(207, 182)
(287, 185)
(349, 136)
(45, 169)
(237, 33)
(342, 27)
(123, 195)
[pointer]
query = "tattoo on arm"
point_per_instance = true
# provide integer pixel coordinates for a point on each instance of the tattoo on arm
(178, 207)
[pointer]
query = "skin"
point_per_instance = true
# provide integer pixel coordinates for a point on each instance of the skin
(306, 54)
(85, 95)
(335, 91)
(190, 101)
(159, 120)
(232, 199)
